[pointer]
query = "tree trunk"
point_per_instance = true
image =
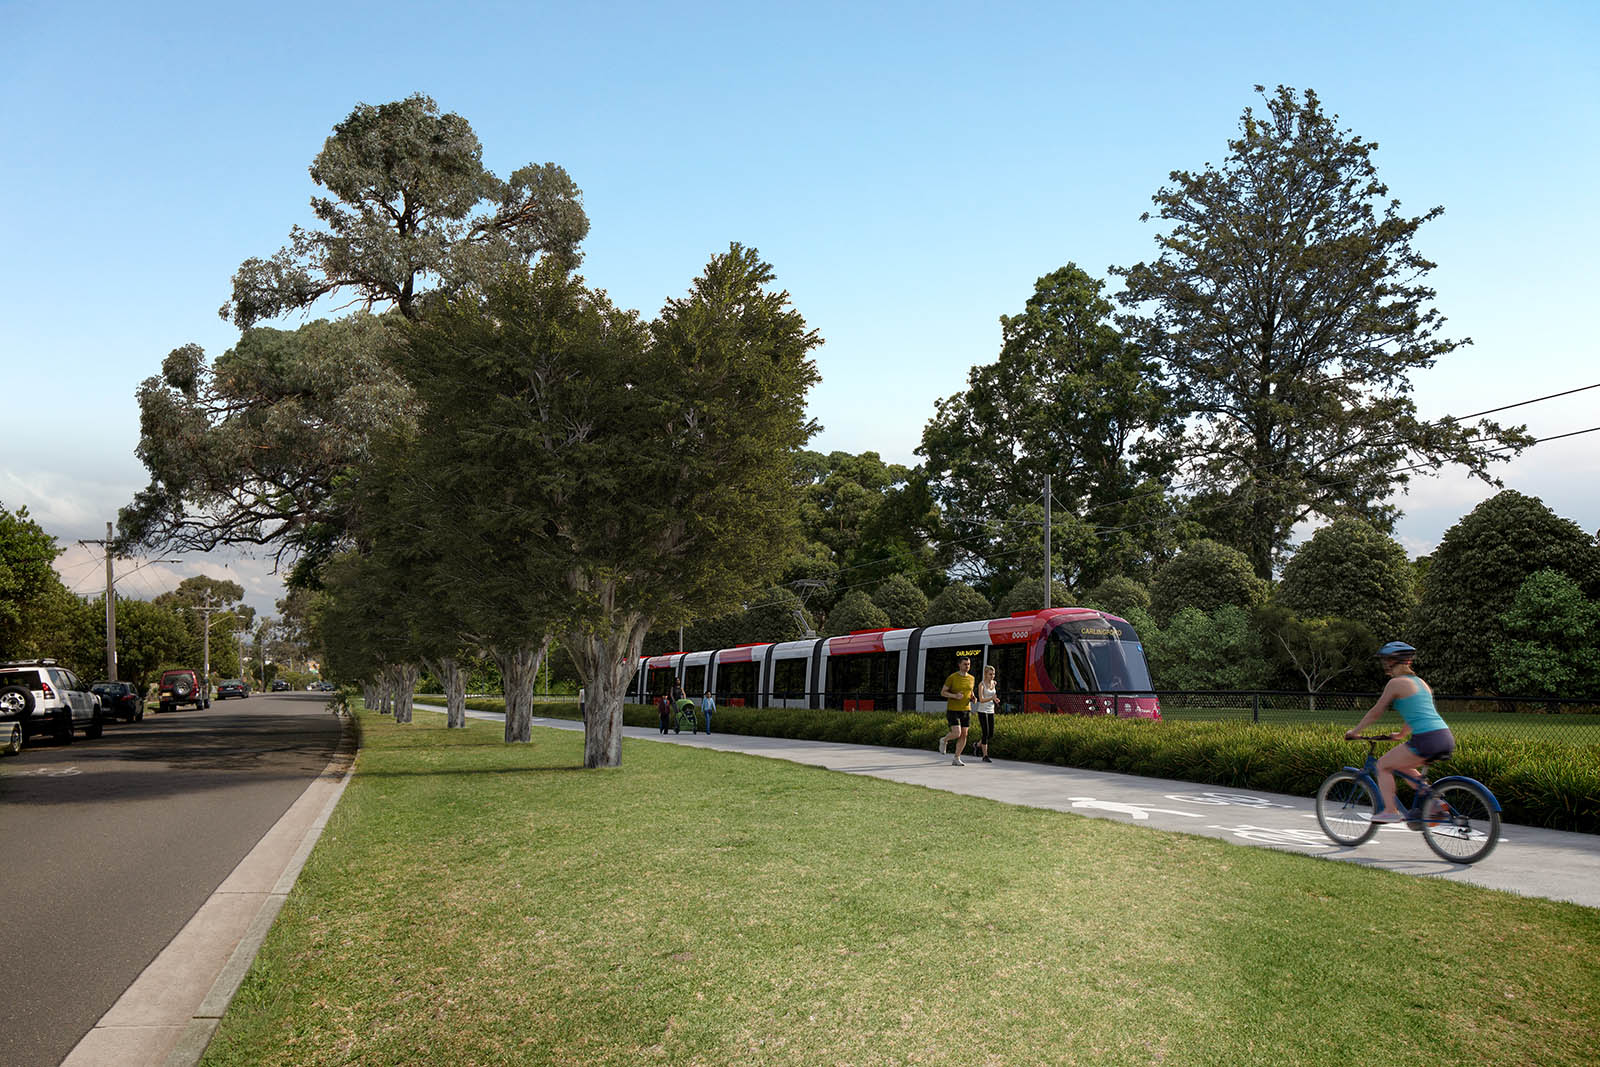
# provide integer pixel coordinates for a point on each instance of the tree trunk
(385, 692)
(369, 693)
(405, 690)
(606, 663)
(519, 676)
(455, 693)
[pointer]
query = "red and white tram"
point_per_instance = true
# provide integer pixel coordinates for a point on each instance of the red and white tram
(1059, 660)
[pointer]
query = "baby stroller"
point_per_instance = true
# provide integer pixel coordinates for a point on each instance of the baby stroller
(684, 717)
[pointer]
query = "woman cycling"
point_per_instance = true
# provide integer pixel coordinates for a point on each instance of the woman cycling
(1429, 738)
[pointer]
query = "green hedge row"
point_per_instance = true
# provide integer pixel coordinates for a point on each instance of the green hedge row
(1538, 783)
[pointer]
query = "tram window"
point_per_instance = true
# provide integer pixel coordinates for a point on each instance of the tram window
(694, 681)
(736, 684)
(789, 679)
(661, 681)
(1010, 674)
(1065, 665)
(870, 676)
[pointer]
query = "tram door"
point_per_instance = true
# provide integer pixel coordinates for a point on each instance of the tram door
(1010, 675)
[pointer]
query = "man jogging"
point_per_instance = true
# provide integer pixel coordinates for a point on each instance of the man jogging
(957, 693)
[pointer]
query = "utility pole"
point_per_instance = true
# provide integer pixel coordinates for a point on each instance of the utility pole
(111, 599)
(206, 610)
(111, 607)
(1048, 578)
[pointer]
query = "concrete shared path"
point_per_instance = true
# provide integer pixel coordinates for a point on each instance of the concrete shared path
(166, 1018)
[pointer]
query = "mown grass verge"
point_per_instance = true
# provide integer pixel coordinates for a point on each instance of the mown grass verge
(1538, 782)
(473, 902)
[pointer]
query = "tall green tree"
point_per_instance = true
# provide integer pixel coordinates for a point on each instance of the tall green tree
(865, 518)
(1288, 310)
(411, 211)
(1069, 397)
(855, 611)
(1479, 566)
(1205, 576)
(957, 602)
(651, 465)
(1351, 570)
(27, 574)
(900, 599)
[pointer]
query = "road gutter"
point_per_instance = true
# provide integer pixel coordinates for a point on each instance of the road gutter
(168, 1016)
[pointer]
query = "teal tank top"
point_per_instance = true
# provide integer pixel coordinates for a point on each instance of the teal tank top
(1418, 710)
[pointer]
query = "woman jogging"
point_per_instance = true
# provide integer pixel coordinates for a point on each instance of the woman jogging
(1424, 738)
(984, 706)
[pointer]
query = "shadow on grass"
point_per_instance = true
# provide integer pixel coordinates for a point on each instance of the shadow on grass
(443, 772)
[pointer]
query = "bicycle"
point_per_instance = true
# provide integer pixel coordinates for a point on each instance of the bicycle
(1458, 817)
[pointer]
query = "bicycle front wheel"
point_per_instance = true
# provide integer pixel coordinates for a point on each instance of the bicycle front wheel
(1345, 803)
(1460, 823)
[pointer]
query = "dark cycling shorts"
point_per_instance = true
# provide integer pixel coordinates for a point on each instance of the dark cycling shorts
(958, 718)
(1432, 744)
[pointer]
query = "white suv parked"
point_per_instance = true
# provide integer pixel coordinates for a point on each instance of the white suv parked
(43, 696)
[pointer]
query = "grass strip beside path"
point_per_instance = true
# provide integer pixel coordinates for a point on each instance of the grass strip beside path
(473, 902)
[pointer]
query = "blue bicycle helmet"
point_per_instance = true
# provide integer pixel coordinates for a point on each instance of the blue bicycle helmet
(1396, 648)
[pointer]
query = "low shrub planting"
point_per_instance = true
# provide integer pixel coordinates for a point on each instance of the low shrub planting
(1538, 782)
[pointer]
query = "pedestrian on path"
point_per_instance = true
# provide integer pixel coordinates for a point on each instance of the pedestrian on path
(957, 693)
(664, 706)
(988, 694)
(707, 706)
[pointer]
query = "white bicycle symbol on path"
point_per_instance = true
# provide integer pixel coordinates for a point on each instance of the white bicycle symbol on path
(1232, 800)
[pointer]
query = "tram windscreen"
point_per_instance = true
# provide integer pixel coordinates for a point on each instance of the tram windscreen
(1114, 654)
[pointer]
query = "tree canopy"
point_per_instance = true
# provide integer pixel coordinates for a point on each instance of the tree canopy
(1205, 576)
(646, 469)
(1068, 396)
(1288, 310)
(250, 451)
(27, 573)
(1479, 566)
(1552, 640)
(1351, 570)
(412, 211)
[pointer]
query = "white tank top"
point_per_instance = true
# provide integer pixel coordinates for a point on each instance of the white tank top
(986, 698)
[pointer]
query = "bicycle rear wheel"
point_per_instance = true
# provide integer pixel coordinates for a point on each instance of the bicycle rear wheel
(1345, 803)
(1460, 823)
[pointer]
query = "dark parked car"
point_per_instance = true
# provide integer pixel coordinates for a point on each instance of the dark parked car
(119, 700)
(280, 686)
(232, 687)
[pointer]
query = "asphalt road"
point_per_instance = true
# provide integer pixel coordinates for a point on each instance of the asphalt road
(108, 847)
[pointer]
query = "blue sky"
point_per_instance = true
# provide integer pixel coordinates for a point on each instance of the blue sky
(908, 169)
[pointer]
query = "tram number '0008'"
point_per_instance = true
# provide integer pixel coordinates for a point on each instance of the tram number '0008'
(1019, 635)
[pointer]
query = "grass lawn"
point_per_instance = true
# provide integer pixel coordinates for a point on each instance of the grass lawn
(478, 903)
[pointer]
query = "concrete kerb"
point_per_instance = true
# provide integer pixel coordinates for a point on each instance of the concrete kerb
(169, 1014)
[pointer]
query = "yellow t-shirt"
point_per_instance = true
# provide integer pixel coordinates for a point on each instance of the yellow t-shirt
(959, 683)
